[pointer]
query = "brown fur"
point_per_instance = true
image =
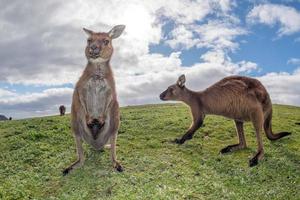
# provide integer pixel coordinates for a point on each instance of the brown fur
(62, 110)
(102, 99)
(236, 97)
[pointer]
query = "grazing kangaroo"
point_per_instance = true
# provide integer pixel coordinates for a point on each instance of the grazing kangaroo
(236, 97)
(62, 110)
(95, 109)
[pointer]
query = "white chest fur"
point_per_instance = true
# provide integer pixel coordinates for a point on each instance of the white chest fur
(97, 94)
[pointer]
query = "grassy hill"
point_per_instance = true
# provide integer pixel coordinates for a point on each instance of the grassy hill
(33, 153)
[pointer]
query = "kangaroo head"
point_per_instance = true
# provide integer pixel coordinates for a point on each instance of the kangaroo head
(99, 47)
(175, 91)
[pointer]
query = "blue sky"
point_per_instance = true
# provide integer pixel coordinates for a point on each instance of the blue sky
(262, 45)
(206, 40)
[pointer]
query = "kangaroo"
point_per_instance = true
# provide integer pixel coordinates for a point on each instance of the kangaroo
(236, 97)
(95, 109)
(62, 110)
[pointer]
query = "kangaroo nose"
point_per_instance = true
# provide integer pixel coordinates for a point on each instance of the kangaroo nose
(96, 51)
(161, 96)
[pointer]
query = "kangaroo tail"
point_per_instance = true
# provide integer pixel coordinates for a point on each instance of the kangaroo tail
(268, 129)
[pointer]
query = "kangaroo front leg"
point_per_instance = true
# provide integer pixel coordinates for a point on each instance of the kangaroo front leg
(115, 163)
(80, 160)
(241, 136)
(189, 134)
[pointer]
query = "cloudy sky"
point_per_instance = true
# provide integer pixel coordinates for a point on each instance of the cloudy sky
(42, 48)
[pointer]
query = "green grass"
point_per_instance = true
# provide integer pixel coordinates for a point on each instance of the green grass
(33, 152)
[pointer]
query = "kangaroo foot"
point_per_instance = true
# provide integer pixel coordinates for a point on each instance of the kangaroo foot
(118, 167)
(254, 161)
(66, 171)
(76, 164)
(183, 138)
(231, 148)
(225, 150)
(179, 141)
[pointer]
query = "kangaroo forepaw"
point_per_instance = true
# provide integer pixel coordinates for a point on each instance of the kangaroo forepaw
(101, 120)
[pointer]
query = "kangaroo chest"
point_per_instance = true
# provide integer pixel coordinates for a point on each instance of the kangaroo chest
(97, 95)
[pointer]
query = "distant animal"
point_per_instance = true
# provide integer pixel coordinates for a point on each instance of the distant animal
(62, 110)
(95, 109)
(236, 97)
(3, 118)
(10, 118)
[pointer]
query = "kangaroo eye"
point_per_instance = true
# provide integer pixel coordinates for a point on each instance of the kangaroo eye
(106, 42)
(89, 40)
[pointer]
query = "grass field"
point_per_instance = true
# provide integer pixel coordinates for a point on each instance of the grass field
(33, 152)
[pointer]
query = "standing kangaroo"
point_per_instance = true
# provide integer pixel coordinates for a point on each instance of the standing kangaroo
(62, 110)
(236, 97)
(95, 109)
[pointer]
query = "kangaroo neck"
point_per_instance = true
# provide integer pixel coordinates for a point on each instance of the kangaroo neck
(98, 68)
(191, 97)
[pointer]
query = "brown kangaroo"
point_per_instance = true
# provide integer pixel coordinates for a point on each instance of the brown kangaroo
(95, 109)
(236, 97)
(62, 110)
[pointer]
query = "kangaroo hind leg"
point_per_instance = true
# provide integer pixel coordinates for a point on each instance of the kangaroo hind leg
(257, 120)
(80, 160)
(116, 163)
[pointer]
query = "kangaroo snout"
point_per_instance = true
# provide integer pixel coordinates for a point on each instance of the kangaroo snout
(94, 50)
(162, 96)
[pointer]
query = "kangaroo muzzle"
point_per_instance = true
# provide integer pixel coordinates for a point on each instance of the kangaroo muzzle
(163, 95)
(95, 128)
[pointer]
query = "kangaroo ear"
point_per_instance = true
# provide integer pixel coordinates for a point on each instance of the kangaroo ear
(181, 80)
(88, 32)
(116, 31)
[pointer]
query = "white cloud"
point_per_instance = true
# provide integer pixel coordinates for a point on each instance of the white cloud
(226, 5)
(283, 87)
(6, 93)
(215, 34)
(270, 14)
(217, 56)
(294, 61)
(156, 72)
(46, 47)
(50, 48)
(183, 11)
(34, 104)
(182, 37)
